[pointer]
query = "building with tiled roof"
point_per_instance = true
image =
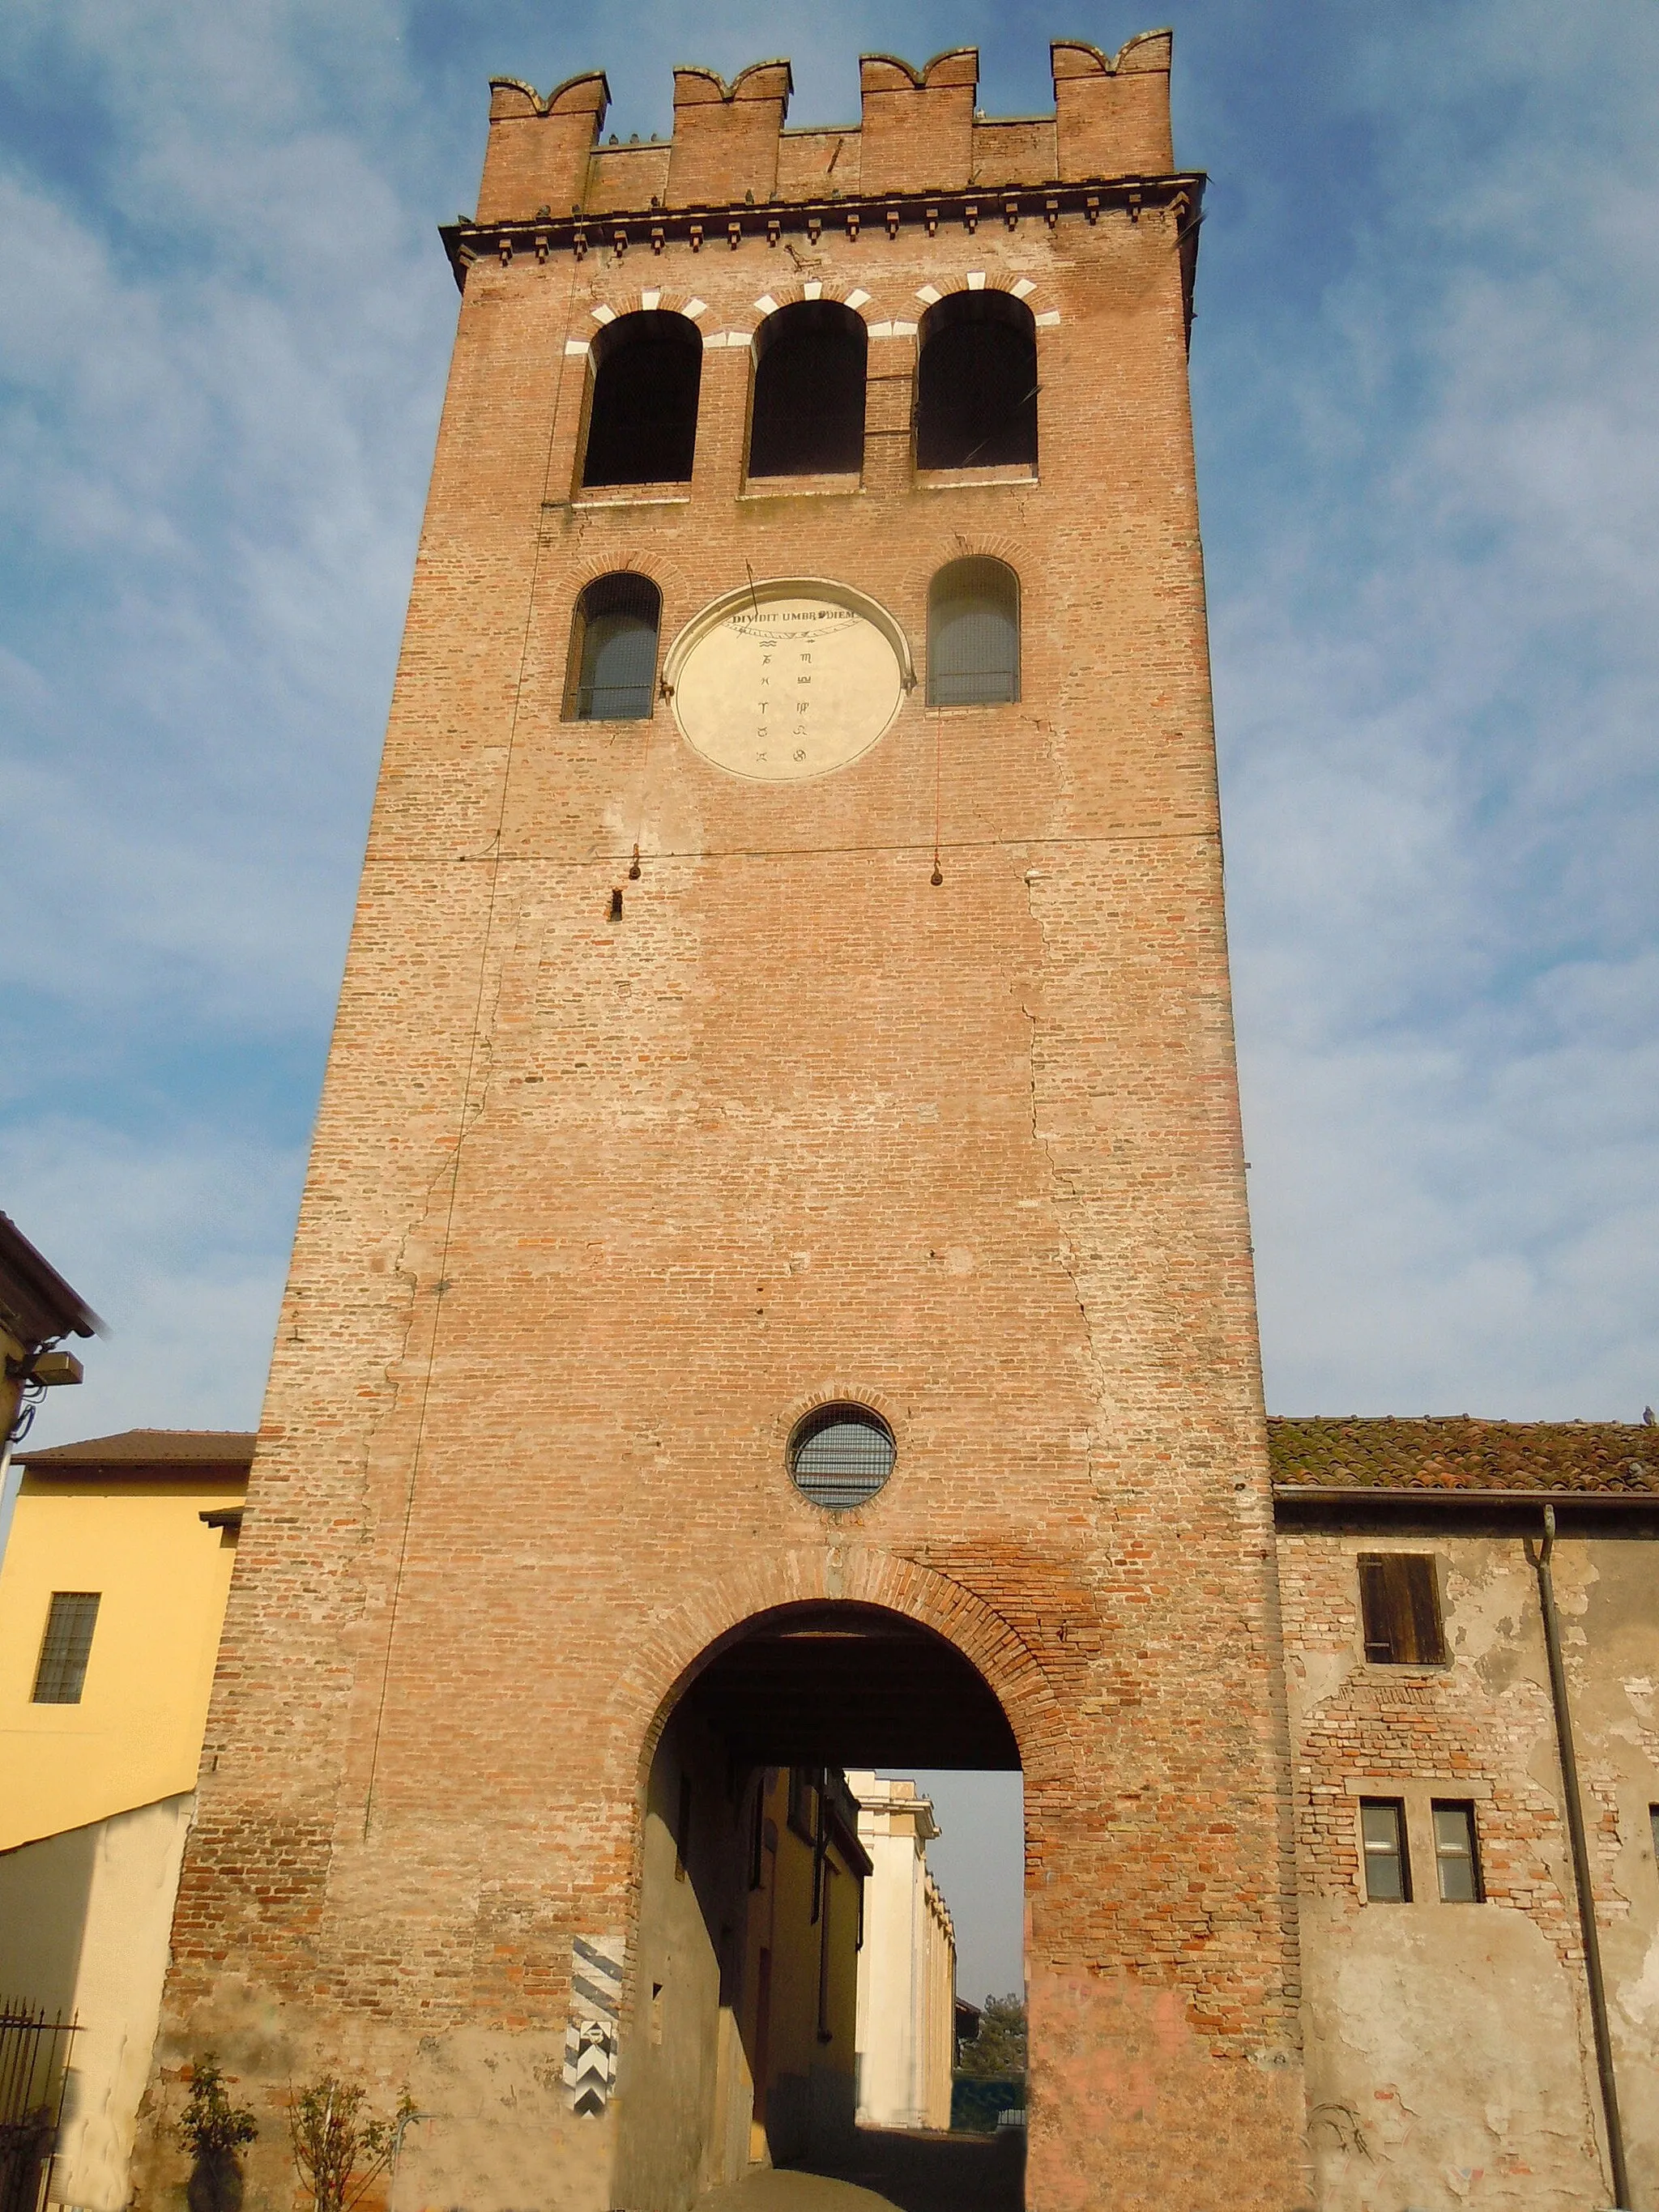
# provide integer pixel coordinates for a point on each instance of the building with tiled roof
(1460, 1452)
(1476, 1814)
(147, 1448)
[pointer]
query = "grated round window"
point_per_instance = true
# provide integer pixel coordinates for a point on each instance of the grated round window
(839, 1455)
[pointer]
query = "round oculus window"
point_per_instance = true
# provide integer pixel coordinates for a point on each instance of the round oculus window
(839, 1456)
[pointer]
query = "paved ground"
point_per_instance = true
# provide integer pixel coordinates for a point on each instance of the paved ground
(892, 2171)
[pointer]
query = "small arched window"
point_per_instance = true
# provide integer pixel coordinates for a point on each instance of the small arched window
(973, 635)
(976, 384)
(808, 417)
(642, 416)
(613, 651)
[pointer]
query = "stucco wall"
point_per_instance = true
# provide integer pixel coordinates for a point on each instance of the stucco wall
(1449, 2052)
(84, 1929)
(907, 1967)
(162, 1577)
(710, 1938)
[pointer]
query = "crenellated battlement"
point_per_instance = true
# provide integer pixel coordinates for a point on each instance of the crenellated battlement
(919, 132)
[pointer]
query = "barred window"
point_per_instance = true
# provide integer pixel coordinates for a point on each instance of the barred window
(808, 417)
(973, 635)
(839, 1456)
(613, 651)
(976, 383)
(1387, 1862)
(642, 413)
(65, 1648)
(1400, 1606)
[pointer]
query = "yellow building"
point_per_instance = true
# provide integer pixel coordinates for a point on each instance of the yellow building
(112, 1590)
(750, 1914)
(798, 2000)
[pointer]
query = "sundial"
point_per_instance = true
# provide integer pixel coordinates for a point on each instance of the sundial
(787, 679)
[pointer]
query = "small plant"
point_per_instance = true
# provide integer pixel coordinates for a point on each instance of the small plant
(213, 2130)
(339, 2150)
(211, 2126)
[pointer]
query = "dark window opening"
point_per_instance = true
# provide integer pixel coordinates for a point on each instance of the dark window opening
(976, 384)
(808, 418)
(642, 417)
(1401, 1608)
(973, 635)
(803, 1814)
(65, 1648)
(613, 651)
(826, 2034)
(757, 1830)
(1387, 1864)
(1456, 1853)
(839, 1456)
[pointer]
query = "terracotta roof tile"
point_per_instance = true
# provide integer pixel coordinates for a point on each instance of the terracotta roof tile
(1459, 1452)
(149, 1448)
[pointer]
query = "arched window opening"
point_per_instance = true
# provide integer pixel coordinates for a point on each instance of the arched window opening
(642, 420)
(973, 635)
(976, 384)
(808, 391)
(613, 651)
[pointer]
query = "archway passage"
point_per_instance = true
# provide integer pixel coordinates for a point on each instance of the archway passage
(794, 1959)
(850, 1685)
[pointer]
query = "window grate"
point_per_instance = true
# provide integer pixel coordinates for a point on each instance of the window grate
(841, 1455)
(65, 1648)
(973, 635)
(614, 650)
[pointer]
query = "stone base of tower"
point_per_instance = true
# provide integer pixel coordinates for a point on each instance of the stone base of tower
(1129, 2112)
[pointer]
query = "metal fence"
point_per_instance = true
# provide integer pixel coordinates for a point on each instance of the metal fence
(34, 2075)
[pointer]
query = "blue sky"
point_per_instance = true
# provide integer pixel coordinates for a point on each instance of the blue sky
(1428, 412)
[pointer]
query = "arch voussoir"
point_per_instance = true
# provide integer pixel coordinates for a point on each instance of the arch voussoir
(676, 1647)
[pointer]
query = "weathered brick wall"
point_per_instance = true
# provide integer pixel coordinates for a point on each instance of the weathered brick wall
(596, 1210)
(1454, 2039)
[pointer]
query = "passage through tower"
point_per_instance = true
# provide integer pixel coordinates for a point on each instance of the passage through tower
(773, 1290)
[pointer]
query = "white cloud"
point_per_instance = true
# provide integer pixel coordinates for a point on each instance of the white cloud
(180, 1246)
(1432, 474)
(1442, 801)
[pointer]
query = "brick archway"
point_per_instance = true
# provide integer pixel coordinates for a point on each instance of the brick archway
(682, 1643)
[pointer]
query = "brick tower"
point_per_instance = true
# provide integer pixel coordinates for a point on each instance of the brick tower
(777, 1233)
